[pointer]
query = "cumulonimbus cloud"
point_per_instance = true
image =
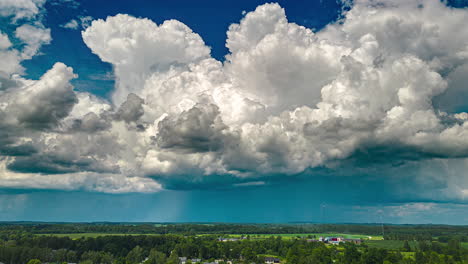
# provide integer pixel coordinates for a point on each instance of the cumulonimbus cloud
(285, 100)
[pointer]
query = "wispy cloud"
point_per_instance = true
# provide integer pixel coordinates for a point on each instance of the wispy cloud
(255, 183)
(72, 24)
(80, 22)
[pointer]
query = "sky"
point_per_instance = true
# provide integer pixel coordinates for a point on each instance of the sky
(234, 111)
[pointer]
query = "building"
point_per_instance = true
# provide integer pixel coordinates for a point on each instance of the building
(222, 239)
(272, 260)
(333, 240)
(184, 260)
(336, 240)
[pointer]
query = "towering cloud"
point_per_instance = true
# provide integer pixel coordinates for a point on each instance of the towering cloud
(138, 47)
(368, 91)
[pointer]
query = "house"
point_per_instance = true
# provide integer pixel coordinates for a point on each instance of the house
(184, 260)
(272, 260)
(222, 239)
(333, 240)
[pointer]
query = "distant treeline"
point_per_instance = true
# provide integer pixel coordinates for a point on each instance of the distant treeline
(394, 232)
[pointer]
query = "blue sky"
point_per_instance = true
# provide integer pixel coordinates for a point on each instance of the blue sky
(234, 111)
(210, 19)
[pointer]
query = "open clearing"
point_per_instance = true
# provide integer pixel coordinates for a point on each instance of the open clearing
(252, 236)
(397, 244)
(390, 244)
(311, 235)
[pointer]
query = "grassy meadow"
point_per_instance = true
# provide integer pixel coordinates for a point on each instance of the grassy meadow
(252, 236)
(306, 235)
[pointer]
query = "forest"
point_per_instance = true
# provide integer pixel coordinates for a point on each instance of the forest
(34, 243)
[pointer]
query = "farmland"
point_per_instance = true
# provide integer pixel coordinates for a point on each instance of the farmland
(252, 236)
(236, 243)
(397, 244)
(389, 244)
(308, 235)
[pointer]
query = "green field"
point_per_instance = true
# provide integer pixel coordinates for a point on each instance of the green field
(397, 244)
(252, 236)
(390, 244)
(317, 235)
(274, 256)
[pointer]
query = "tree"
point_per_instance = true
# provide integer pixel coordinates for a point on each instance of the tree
(454, 248)
(292, 256)
(406, 246)
(135, 255)
(420, 258)
(248, 254)
(351, 253)
(106, 258)
(92, 256)
(156, 257)
(423, 246)
(373, 255)
(71, 256)
(321, 255)
(34, 261)
(173, 258)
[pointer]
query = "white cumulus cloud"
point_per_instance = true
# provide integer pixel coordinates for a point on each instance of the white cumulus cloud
(285, 100)
(20, 8)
